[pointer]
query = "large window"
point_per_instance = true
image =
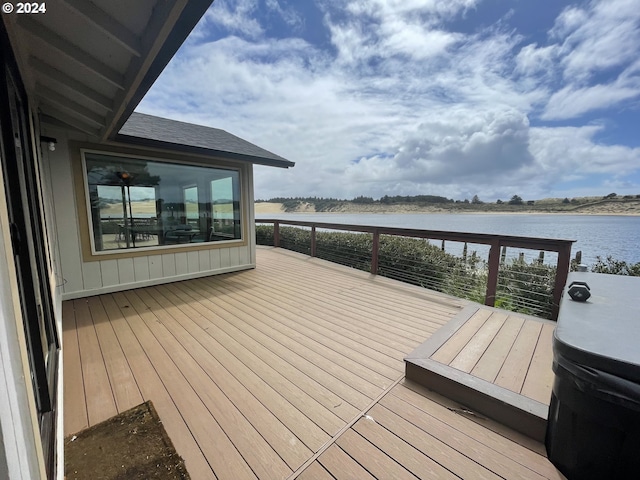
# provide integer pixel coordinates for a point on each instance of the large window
(141, 203)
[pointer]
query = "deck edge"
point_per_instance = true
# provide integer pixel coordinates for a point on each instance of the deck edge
(513, 410)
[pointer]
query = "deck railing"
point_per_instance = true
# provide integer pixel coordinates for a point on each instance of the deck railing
(504, 274)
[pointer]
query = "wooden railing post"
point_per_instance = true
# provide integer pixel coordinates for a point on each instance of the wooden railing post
(562, 273)
(495, 242)
(492, 277)
(375, 252)
(276, 234)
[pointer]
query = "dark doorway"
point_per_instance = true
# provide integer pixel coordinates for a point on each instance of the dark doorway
(24, 202)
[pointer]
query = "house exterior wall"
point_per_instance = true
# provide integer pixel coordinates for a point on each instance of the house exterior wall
(71, 276)
(54, 242)
(81, 277)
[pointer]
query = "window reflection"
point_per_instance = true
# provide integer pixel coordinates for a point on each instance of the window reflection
(137, 203)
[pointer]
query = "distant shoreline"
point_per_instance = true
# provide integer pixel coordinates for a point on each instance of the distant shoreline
(617, 209)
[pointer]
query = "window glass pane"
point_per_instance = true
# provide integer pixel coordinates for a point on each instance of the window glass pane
(225, 208)
(139, 203)
(191, 204)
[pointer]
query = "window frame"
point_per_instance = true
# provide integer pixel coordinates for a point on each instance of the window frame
(31, 274)
(79, 151)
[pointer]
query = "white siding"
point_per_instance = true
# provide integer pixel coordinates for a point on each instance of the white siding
(82, 278)
(225, 258)
(141, 268)
(91, 275)
(251, 251)
(168, 265)
(122, 274)
(204, 260)
(125, 270)
(193, 262)
(68, 241)
(109, 271)
(214, 255)
(181, 263)
(155, 266)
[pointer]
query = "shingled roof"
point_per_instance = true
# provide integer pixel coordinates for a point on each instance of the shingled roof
(152, 131)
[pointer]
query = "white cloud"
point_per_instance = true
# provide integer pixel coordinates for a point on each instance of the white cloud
(414, 41)
(236, 16)
(603, 35)
(571, 102)
(406, 106)
(463, 145)
(592, 63)
(373, 29)
(534, 60)
(290, 16)
(569, 151)
(382, 8)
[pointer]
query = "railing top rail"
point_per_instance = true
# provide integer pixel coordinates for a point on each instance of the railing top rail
(547, 244)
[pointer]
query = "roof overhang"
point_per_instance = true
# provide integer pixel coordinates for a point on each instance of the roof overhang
(162, 133)
(87, 64)
(209, 152)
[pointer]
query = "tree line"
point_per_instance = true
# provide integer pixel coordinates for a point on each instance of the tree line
(325, 203)
(364, 199)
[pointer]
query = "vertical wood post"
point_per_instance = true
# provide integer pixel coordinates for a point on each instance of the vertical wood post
(492, 278)
(313, 241)
(562, 273)
(375, 251)
(578, 257)
(276, 234)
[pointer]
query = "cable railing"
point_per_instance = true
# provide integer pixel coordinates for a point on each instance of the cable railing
(507, 272)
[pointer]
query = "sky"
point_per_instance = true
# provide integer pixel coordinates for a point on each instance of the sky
(456, 98)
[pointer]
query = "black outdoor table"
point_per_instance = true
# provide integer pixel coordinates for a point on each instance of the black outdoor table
(593, 430)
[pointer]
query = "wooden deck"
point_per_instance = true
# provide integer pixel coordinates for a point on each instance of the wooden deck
(507, 350)
(485, 354)
(292, 369)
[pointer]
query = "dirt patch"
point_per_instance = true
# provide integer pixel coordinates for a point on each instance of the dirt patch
(130, 445)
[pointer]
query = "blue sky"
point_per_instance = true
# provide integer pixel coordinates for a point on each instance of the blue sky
(404, 97)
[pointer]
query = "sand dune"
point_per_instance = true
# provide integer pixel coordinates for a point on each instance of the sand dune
(605, 208)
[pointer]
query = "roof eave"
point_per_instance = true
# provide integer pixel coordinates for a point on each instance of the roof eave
(145, 142)
(166, 43)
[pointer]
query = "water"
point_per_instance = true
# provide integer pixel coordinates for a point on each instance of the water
(595, 235)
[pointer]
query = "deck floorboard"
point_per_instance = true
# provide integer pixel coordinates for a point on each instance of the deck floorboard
(99, 395)
(74, 395)
(288, 371)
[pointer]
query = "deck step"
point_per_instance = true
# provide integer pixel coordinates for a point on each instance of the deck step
(430, 365)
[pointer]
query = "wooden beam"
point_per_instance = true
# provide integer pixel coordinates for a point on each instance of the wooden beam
(546, 244)
(162, 21)
(65, 80)
(375, 252)
(72, 51)
(492, 277)
(107, 24)
(48, 95)
(54, 116)
(276, 234)
(516, 411)
(562, 273)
